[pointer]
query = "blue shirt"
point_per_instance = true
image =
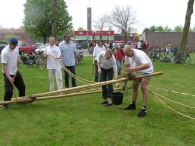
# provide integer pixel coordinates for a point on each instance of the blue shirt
(67, 53)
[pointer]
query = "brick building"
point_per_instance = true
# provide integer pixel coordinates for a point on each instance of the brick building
(20, 34)
(162, 39)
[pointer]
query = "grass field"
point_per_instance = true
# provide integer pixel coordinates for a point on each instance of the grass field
(83, 121)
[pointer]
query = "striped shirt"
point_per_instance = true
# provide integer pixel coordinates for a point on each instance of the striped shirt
(67, 53)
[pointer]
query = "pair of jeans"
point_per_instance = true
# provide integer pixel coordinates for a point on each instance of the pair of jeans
(106, 75)
(19, 84)
(66, 76)
(119, 65)
(96, 73)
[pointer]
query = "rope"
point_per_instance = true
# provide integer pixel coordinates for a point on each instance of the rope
(156, 95)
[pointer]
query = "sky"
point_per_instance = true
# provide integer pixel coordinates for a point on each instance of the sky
(169, 13)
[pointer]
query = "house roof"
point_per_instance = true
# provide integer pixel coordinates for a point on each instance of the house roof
(12, 31)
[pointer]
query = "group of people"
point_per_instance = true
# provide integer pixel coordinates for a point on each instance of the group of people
(64, 51)
(107, 65)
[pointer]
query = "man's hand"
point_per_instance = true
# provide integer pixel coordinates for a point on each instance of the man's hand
(99, 71)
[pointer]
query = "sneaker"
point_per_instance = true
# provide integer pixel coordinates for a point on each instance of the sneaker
(5, 107)
(142, 113)
(130, 107)
(104, 102)
(109, 104)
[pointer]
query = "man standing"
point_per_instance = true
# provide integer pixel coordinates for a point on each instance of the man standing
(54, 68)
(137, 61)
(69, 58)
(10, 59)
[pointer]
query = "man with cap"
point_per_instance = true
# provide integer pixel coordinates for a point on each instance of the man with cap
(10, 59)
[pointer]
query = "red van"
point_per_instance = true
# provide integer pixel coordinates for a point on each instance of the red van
(26, 47)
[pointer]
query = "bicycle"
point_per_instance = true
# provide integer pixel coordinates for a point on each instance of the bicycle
(33, 61)
(186, 59)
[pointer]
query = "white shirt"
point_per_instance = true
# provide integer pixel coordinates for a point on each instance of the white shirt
(138, 59)
(107, 64)
(55, 52)
(10, 58)
(139, 45)
(98, 50)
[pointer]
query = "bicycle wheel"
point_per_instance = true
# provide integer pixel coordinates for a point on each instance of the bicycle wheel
(190, 60)
(24, 64)
(184, 61)
(42, 63)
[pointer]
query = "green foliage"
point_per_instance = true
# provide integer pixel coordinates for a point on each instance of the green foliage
(81, 29)
(178, 29)
(152, 28)
(8, 36)
(37, 17)
(82, 121)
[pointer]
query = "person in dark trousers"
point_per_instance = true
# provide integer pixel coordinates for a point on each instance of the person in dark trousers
(9, 59)
(107, 68)
(69, 58)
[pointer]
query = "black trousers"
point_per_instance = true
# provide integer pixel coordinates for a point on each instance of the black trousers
(66, 76)
(96, 73)
(19, 84)
(107, 75)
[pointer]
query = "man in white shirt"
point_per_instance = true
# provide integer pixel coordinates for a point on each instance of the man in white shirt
(10, 59)
(137, 61)
(54, 68)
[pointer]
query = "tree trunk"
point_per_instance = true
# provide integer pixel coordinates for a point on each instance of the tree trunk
(186, 27)
(53, 18)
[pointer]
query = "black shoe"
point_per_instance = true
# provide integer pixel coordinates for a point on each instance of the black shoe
(5, 107)
(130, 107)
(104, 102)
(142, 113)
(109, 104)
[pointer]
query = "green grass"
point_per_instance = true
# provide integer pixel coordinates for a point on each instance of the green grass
(82, 121)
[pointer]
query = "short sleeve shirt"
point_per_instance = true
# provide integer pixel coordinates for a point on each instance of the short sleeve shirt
(138, 59)
(10, 57)
(55, 52)
(67, 53)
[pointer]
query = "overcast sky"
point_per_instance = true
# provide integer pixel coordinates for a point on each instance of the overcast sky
(150, 12)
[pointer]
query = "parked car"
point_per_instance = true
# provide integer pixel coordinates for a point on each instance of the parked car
(78, 46)
(41, 49)
(26, 47)
(2, 46)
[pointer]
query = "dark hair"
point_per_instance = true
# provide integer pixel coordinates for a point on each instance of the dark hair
(66, 34)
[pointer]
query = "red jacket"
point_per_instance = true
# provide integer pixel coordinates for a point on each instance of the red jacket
(118, 54)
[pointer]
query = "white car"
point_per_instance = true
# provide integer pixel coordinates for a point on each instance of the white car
(41, 49)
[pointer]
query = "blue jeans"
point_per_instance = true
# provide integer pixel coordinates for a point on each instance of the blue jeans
(66, 76)
(96, 72)
(119, 65)
(107, 75)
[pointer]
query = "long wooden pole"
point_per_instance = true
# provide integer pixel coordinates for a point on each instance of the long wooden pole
(44, 96)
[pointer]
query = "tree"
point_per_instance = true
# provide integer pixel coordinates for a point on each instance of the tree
(8, 36)
(38, 20)
(122, 18)
(159, 28)
(81, 29)
(184, 38)
(152, 28)
(101, 23)
(178, 29)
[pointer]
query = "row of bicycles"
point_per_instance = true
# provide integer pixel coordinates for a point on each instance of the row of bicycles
(33, 61)
(157, 55)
